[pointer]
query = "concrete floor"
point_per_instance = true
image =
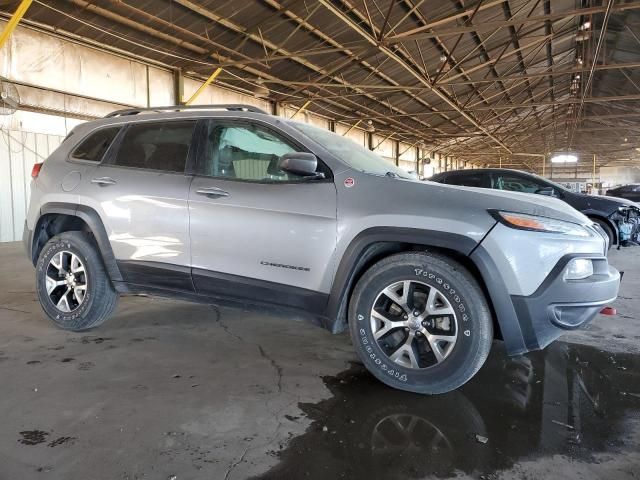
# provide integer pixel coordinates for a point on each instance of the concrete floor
(168, 388)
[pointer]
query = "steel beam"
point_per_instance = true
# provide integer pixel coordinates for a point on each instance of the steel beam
(13, 21)
(303, 107)
(391, 54)
(204, 85)
(421, 32)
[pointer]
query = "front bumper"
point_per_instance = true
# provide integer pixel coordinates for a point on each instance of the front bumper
(559, 305)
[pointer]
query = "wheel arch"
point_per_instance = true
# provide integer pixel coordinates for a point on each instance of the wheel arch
(593, 215)
(57, 217)
(374, 244)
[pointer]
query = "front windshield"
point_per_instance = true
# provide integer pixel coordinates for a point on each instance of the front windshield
(349, 152)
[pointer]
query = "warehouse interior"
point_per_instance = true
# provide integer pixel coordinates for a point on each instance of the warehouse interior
(170, 389)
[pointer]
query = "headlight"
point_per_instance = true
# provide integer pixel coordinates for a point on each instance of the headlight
(522, 221)
(578, 268)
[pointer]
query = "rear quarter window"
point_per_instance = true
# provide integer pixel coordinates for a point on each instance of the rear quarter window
(93, 147)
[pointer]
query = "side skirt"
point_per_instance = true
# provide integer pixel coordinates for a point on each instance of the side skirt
(204, 286)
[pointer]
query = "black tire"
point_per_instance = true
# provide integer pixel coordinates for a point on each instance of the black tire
(457, 285)
(607, 229)
(100, 298)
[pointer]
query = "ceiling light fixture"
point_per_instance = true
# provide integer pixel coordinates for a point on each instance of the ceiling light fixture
(564, 158)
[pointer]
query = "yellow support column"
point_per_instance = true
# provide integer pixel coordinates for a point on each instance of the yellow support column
(306, 104)
(204, 85)
(352, 127)
(593, 177)
(13, 21)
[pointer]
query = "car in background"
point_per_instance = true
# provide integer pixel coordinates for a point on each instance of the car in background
(630, 192)
(618, 217)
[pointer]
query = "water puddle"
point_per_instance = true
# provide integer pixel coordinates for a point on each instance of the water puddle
(569, 399)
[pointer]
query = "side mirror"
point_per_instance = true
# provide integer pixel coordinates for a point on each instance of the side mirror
(548, 191)
(299, 163)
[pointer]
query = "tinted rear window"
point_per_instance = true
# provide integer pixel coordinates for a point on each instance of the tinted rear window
(156, 145)
(468, 180)
(95, 145)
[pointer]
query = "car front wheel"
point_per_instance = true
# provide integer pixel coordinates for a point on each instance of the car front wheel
(420, 322)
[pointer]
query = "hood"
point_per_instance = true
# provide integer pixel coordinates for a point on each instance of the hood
(473, 198)
(605, 204)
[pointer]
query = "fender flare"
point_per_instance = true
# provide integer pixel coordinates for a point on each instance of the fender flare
(93, 221)
(514, 330)
(363, 248)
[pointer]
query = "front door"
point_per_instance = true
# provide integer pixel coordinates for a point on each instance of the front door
(140, 191)
(258, 233)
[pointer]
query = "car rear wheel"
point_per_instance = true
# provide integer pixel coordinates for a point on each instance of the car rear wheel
(72, 285)
(420, 322)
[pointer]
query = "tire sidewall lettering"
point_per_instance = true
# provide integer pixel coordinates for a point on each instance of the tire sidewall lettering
(370, 347)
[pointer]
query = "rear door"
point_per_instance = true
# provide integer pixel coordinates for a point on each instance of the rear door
(257, 232)
(140, 191)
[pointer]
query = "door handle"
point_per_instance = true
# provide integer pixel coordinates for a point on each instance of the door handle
(103, 181)
(214, 192)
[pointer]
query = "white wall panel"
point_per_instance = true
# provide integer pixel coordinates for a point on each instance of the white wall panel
(19, 150)
(38, 123)
(407, 152)
(40, 59)
(384, 147)
(64, 104)
(304, 116)
(216, 94)
(613, 176)
(160, 87)
(316, 120)
(355, 134)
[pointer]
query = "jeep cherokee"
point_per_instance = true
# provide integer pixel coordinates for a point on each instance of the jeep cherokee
(228, 204)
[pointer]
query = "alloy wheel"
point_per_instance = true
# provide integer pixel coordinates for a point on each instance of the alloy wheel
(66, 281)
(414, 324)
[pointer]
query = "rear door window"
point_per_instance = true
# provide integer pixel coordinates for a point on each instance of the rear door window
(156, 145)
(469, 179)
(93, 148)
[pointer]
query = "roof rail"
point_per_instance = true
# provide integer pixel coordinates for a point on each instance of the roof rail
(232, 107)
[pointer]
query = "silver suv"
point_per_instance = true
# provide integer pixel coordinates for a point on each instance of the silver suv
(229, 204)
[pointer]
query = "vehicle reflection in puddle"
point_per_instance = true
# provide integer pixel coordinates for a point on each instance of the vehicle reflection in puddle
(570, 400)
